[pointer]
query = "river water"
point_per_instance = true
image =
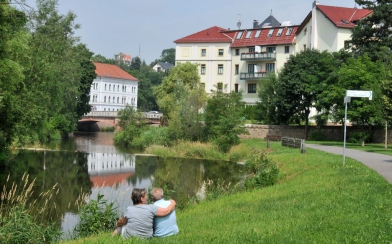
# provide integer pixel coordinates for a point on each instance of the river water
(88, 163)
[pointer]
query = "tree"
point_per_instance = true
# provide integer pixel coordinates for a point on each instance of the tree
(187, 74)
(223, 119)
(266, 107)
(373, 33)
(300, 81)
(135, 64)
(168, 55)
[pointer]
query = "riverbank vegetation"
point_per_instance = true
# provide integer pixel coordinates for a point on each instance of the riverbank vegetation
(316, 200)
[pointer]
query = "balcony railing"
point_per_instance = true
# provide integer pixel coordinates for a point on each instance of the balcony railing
(258, 56)
(253, 76)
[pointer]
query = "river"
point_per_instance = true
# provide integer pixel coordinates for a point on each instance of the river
(89, 163)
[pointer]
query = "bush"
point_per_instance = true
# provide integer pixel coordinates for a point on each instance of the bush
(317, 135)
(151, 136)
(95, 217)
(262, 171)
(356, 137)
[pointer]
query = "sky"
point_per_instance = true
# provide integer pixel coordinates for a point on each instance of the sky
(145, 28)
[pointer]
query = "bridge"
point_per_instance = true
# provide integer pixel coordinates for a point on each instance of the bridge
(96, 120)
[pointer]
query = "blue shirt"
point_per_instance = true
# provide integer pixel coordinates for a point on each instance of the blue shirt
(167, 225)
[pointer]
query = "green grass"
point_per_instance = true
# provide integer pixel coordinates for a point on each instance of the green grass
(376, 148)
(316, 201)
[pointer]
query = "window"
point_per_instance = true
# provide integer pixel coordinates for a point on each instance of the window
(270, 32)
(118, 100)
(304, 47)
(104, 99)
(239, 35)
(252, 49)
(237, 69)
(248, 34)
(236, 87)
(289, 30)
(110, 87)
(118, 87)
(305, 30)
(251, 68)
(237, 52)
(286, 49)
(203, 52)
(220, 69)
(257, 33)
(270, 67)
(109, 100)
(219, 86)
(271, 49)
(279, 32)
(105, 87)
(203, 69)
(252, 88)
(220, 52)
(158, 69)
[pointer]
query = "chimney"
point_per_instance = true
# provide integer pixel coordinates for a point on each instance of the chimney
(314, 4)
(255, 24)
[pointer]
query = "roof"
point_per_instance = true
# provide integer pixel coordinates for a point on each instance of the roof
(165, 65)
(343, 17)
(268, 36)
(109, 179)
(271, 21)
(112, 71)
(212, 34)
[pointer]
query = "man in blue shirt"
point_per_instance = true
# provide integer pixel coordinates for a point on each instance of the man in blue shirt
(166, 225)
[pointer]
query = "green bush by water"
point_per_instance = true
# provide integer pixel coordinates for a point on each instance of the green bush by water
(261, 169)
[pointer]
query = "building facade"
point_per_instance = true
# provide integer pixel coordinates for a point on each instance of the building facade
(112, 89)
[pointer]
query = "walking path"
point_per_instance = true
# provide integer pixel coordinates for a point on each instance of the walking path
(381, 163)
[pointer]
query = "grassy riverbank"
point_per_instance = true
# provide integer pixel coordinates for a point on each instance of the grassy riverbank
(316, 201)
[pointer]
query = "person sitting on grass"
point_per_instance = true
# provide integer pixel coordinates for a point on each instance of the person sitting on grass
(167, 225)
(140, 216)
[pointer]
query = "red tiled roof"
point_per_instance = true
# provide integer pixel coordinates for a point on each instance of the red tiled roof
(337, 14)
(212, 34)
(110, 179)
(264, 39)
(112, 71)
(126, 57)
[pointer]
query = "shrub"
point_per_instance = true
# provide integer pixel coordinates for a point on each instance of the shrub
(317, 135)
(151, 136)
(96, 216)
(262, 170)
(356, 137)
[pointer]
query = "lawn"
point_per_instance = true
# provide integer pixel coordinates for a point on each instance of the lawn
(317, 200)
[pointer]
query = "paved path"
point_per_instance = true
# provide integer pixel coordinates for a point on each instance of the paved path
(381, 163)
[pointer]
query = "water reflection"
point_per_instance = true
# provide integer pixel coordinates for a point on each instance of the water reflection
(91, 164)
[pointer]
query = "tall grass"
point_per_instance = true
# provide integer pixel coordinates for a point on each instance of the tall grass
(24, 219)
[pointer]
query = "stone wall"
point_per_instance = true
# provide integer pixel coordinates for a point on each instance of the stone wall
(333, 133)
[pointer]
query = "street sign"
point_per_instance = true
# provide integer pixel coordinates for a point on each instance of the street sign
(354, 93)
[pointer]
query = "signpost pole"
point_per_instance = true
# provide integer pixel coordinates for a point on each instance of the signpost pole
(345, 119)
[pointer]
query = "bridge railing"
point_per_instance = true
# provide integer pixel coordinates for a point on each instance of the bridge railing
(147, 115)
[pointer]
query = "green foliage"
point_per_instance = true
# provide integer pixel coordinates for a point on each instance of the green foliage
(135, 64)
(356, 137)
(223, 119)
(152, 136)
(96, 216)
(168, 55)
(317, 135)
(262, 170)
(109, 128)
(24, 218)
(131, 123)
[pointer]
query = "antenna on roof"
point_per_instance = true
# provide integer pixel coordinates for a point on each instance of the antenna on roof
(239, 22)
(271, 12)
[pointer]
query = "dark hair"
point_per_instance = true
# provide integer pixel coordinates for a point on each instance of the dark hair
(137, 195)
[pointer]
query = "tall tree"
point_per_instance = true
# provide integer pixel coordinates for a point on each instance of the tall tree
(374, 32)
(168, 55)
(135, 64)
(303, 77)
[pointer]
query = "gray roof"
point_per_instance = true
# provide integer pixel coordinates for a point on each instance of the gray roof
(271, 20)
(165, 66)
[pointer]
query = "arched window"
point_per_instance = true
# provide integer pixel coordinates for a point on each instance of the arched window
(109, 99)
(118, 100)
(110, 87)
(104, 99)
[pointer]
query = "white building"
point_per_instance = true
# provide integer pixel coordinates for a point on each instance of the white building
(113, 89)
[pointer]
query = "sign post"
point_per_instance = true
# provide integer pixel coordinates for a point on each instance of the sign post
(347, 99)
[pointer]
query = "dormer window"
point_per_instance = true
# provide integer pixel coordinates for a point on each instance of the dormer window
(289, 30)
(270, 32)
(248, 34)
(279, 32)
(239, 35)
(305, 30)
(257, 33)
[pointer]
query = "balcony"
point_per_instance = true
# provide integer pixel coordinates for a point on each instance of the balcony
(258, 56)
(254, 75)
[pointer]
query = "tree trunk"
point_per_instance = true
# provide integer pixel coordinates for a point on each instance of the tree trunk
(363, 134)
